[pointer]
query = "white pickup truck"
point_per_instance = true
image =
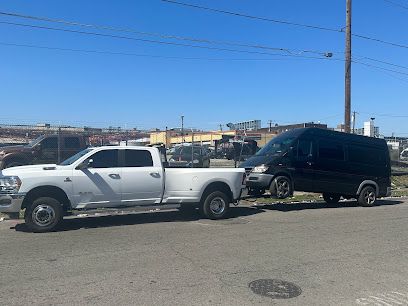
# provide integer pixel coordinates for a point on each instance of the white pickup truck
(114, 177)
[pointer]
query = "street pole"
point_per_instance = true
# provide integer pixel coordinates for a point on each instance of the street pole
(347, 102)
(221, 127)
(182, 130)
(270, 125)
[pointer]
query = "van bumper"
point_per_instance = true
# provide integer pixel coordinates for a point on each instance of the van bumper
(259, 180)
(11, 203)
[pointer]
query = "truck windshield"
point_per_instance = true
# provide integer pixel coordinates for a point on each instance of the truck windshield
(278, 145)
(32, 143)
(75, 157)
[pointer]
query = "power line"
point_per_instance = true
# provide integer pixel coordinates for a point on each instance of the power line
(397, 4)
(381, 68)
(133, 31)
(285, 22)
(156, 41)
(253, 17)
(183, 38)
(289, 57)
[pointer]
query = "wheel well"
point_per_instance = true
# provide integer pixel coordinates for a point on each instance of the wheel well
(363, 185)
(218, 186)
(47, 191)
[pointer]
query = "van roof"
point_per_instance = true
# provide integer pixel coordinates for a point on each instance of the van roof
(340, 135)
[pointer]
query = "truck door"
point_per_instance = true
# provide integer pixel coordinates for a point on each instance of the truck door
(304, 159)
(142, 177)
(100, 184)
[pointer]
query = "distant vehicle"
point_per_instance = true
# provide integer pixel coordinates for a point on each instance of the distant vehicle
(114, 177)
(43, 150)
(322, 161)
(189, 157)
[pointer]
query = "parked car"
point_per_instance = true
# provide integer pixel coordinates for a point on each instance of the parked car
(189, 157)
(114, 177)
(43, 150)
(322, 161)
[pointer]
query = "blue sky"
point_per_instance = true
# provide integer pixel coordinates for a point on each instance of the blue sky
(77, 88)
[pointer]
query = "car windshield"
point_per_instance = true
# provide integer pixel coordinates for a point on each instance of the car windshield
(32, 143)
(75, 157)
(278, 145)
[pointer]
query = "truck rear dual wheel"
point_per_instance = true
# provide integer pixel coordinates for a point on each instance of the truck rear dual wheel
(43, 215)
(215, 205)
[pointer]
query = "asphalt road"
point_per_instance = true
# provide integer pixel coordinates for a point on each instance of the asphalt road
(343, 255)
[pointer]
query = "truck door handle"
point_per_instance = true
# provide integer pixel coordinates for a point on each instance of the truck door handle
(114, 176)
(155, 174)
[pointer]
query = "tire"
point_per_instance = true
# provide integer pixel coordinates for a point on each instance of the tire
(281, 187)
(43, 215)
(367, 197)
(13, 163)
(215, 205)
(331, 198)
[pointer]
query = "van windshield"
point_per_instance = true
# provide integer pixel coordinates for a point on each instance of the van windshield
(278, 145)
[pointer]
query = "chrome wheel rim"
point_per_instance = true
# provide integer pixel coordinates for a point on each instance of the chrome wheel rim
(370, 197)
(282, 188)
(43, 215)
(217, 205)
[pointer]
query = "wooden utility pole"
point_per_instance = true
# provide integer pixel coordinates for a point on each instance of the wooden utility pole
(347, 100)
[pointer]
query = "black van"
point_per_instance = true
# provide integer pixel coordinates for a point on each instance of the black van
(323, 161)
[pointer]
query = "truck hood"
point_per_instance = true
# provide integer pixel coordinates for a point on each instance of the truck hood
(16, 148)
(30, 169)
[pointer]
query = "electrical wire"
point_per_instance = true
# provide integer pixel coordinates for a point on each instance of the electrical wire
(166, 36)
(148, 40)
(397, 4)
(285, 22)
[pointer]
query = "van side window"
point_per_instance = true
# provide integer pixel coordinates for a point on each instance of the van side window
(365, 155)
(331, 150)
(304, 149)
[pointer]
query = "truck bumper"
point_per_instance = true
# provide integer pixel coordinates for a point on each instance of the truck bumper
(259, 180)
(11, 203)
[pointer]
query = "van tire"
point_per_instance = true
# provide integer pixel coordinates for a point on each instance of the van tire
(215, 205)
(43, 215)
(331, 198)
(281, 187)
(367, 196)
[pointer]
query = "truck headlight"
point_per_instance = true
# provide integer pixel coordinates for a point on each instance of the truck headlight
(260, 169)
(9, 184)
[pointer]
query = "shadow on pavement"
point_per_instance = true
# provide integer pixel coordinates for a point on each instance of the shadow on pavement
(323, 205)
(139, 218)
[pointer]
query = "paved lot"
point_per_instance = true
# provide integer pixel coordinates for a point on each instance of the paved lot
(344, 255)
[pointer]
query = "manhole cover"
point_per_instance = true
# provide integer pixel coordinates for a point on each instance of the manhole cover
(275, 288)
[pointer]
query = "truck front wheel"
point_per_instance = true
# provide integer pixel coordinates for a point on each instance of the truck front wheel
(43, 215)
(215, 205)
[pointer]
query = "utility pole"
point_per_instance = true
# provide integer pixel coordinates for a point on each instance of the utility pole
(347, 100)
(220, 127)
(182, 130)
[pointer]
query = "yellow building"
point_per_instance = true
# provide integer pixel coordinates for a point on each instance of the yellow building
(171, 138)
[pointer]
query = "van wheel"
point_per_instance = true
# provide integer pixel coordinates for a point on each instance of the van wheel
(215, 205)
(331, 198)
(281, 187)
(367, 196)
(43, 215)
